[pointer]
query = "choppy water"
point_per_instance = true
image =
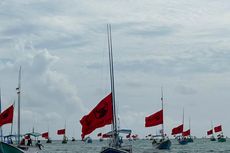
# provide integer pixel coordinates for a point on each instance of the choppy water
(139, 146)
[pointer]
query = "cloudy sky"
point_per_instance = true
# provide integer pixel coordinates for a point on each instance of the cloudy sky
(62, 48)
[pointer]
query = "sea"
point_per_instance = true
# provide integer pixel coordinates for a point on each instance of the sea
(139, 146)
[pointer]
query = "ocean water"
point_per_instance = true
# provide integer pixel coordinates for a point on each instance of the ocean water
(139, 146)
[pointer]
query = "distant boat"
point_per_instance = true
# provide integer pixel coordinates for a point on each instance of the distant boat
(220, 136)
(62, 132)
(210, 132)
(179, 130)
(187, 134)
(73, 139)
(46, 136)
(159, 141)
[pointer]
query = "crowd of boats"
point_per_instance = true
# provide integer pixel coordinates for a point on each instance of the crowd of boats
(103, 114)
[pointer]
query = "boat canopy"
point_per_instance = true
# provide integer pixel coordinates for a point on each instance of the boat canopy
(35, 134)
(124, 131)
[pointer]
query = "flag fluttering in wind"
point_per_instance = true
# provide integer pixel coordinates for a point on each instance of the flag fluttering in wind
(154, 119)
(61, 131)
(45, 135)
(218, 128)
(7, 115)
(100, 116)
(186, 133)
(210, 132)
(178, 129)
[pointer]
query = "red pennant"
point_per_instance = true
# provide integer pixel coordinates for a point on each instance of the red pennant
(186, 133)
(100, 116)
(154, 119)
(218, 128)
(178, 129)
(61, 132)
(45, 135)
(210, 132)
(7, 116)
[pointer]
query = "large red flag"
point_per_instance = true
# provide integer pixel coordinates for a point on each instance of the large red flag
(7, 116)
(100, 116)
(154, 119)
(45, 135)
(61, 131)
(210, 132)
(218, 128)
(178, 129)
(186, 133)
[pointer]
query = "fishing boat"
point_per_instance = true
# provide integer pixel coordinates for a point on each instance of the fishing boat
(105, 113)
(220, 136)
(187, 134)
(19, 147)
(46, 136)
(159, 141)
(73, 139)
(63, 132)
(179, 130)
(210, 132)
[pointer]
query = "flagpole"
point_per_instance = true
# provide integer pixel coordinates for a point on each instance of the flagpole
(1, 112)
(18, 89)
(162, 105)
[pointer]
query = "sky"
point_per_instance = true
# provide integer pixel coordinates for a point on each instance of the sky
(62, 48)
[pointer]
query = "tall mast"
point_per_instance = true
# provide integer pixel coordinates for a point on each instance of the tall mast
(18, 89)
(1, 111)
(114, 125)
(190, 125)
(162, 106)
(212, 128)
(183, 119)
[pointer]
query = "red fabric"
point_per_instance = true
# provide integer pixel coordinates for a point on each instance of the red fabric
(186, 133)
(61, 132)
(210, 132)
(7, 116)
(154, 119)
(27, 137)
(106, 136)
(100, 116)
(178, 129)
(218, 128)
(128, 136)
(45, 135)
(99, 134)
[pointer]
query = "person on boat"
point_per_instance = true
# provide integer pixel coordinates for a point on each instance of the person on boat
(29, 142)
(39, 145)
(23, 142)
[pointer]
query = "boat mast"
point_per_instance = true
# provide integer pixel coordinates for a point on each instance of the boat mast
(18, 89)
(183, 119)
(1, 111)
(190, 125)
(162, 106)
(114, 125)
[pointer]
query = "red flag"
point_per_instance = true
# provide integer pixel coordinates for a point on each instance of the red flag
(99, 134)
(61, 132)
(186, 133)
(178, 129)
(100, 116)
(128, 136)
(218, 128)
(210, 132)
(154, 119)
(106, 136)
(7, 116)
(45, 135)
